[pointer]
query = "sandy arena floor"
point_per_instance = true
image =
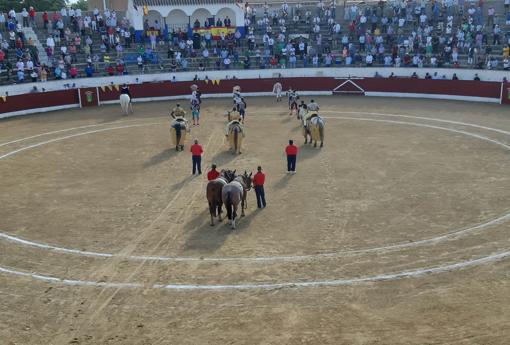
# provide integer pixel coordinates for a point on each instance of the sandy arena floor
(396, 232)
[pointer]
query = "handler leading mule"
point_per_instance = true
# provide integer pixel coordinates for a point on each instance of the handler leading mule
(234, 193)
(213, 193)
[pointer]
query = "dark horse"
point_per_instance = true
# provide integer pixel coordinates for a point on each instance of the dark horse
(234, 193)
(214, 188)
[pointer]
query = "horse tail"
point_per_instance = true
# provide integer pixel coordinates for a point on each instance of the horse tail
(177, 134)
(229, 206)
(236, 136)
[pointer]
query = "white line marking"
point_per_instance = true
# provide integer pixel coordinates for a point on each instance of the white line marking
(63, 130)
(501, 219)
(299, 284)
(420, 118)
(12, 153)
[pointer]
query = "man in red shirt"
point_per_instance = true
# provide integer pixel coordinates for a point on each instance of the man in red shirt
(213, 174)
(196, 157)
(258, 183)
(291, 150)
(46, 19)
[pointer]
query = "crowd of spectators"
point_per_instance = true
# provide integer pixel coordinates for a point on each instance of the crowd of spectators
(419, 33)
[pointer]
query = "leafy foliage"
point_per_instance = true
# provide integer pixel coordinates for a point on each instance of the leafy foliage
(39, 5)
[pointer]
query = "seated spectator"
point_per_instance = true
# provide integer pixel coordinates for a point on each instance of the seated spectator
(21, 76)
(120, 68)
(33, 76)
(73, 72)
(89, 71)
(110, 70)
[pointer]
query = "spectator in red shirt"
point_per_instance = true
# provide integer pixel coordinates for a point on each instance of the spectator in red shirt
(120, 68)
(110, 70)
(291, 150)
(46, 19)
(258, 183)
(31, 14)
(196, 157)
(73, 72)
(213, 174)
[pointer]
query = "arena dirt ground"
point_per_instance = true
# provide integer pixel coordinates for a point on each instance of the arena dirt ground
(396, 232)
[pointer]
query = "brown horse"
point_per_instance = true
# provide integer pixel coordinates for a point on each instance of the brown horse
(234, 194)
(213, 193)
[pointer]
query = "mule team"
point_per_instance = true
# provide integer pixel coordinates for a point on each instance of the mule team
(230, 189)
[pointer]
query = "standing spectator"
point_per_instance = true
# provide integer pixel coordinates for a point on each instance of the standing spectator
(24, 14)
(196, 157)
(258, 183)
(3, 21)
(46, 19)
(291, 150)
(213, 174)
(31, 14)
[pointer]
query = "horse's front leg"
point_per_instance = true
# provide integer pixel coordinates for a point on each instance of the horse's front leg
(242, 206)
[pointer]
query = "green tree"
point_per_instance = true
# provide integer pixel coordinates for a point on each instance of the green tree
(39, 5)
(81, 4)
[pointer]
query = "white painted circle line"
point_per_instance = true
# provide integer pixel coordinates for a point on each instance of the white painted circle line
(64, 130)
(299, 284)
(501, 219)
(12, 153)
(497, 130)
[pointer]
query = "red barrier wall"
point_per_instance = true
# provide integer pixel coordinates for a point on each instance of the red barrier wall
(469, 88)
(505, 94)
(39, 100)
(464, 88)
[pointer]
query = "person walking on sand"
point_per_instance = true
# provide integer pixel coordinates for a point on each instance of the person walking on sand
(291, 151)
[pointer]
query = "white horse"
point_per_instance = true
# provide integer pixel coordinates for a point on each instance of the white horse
(125, 103)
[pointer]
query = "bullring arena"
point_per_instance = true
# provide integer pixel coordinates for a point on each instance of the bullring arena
(395, 232)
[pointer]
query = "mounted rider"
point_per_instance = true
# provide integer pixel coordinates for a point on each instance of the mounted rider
(124, 90)
(313, 109)
(232, 123)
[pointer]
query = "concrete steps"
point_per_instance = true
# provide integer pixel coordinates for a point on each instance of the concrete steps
(29, 33)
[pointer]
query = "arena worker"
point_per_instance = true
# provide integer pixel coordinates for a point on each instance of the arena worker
(213, 174)
(291, 151)
(196, 157)
(258, 182)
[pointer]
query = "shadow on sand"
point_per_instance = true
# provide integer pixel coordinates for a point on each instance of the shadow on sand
(223, 158)
(160, 157)
(283, 181)
(204, 237)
